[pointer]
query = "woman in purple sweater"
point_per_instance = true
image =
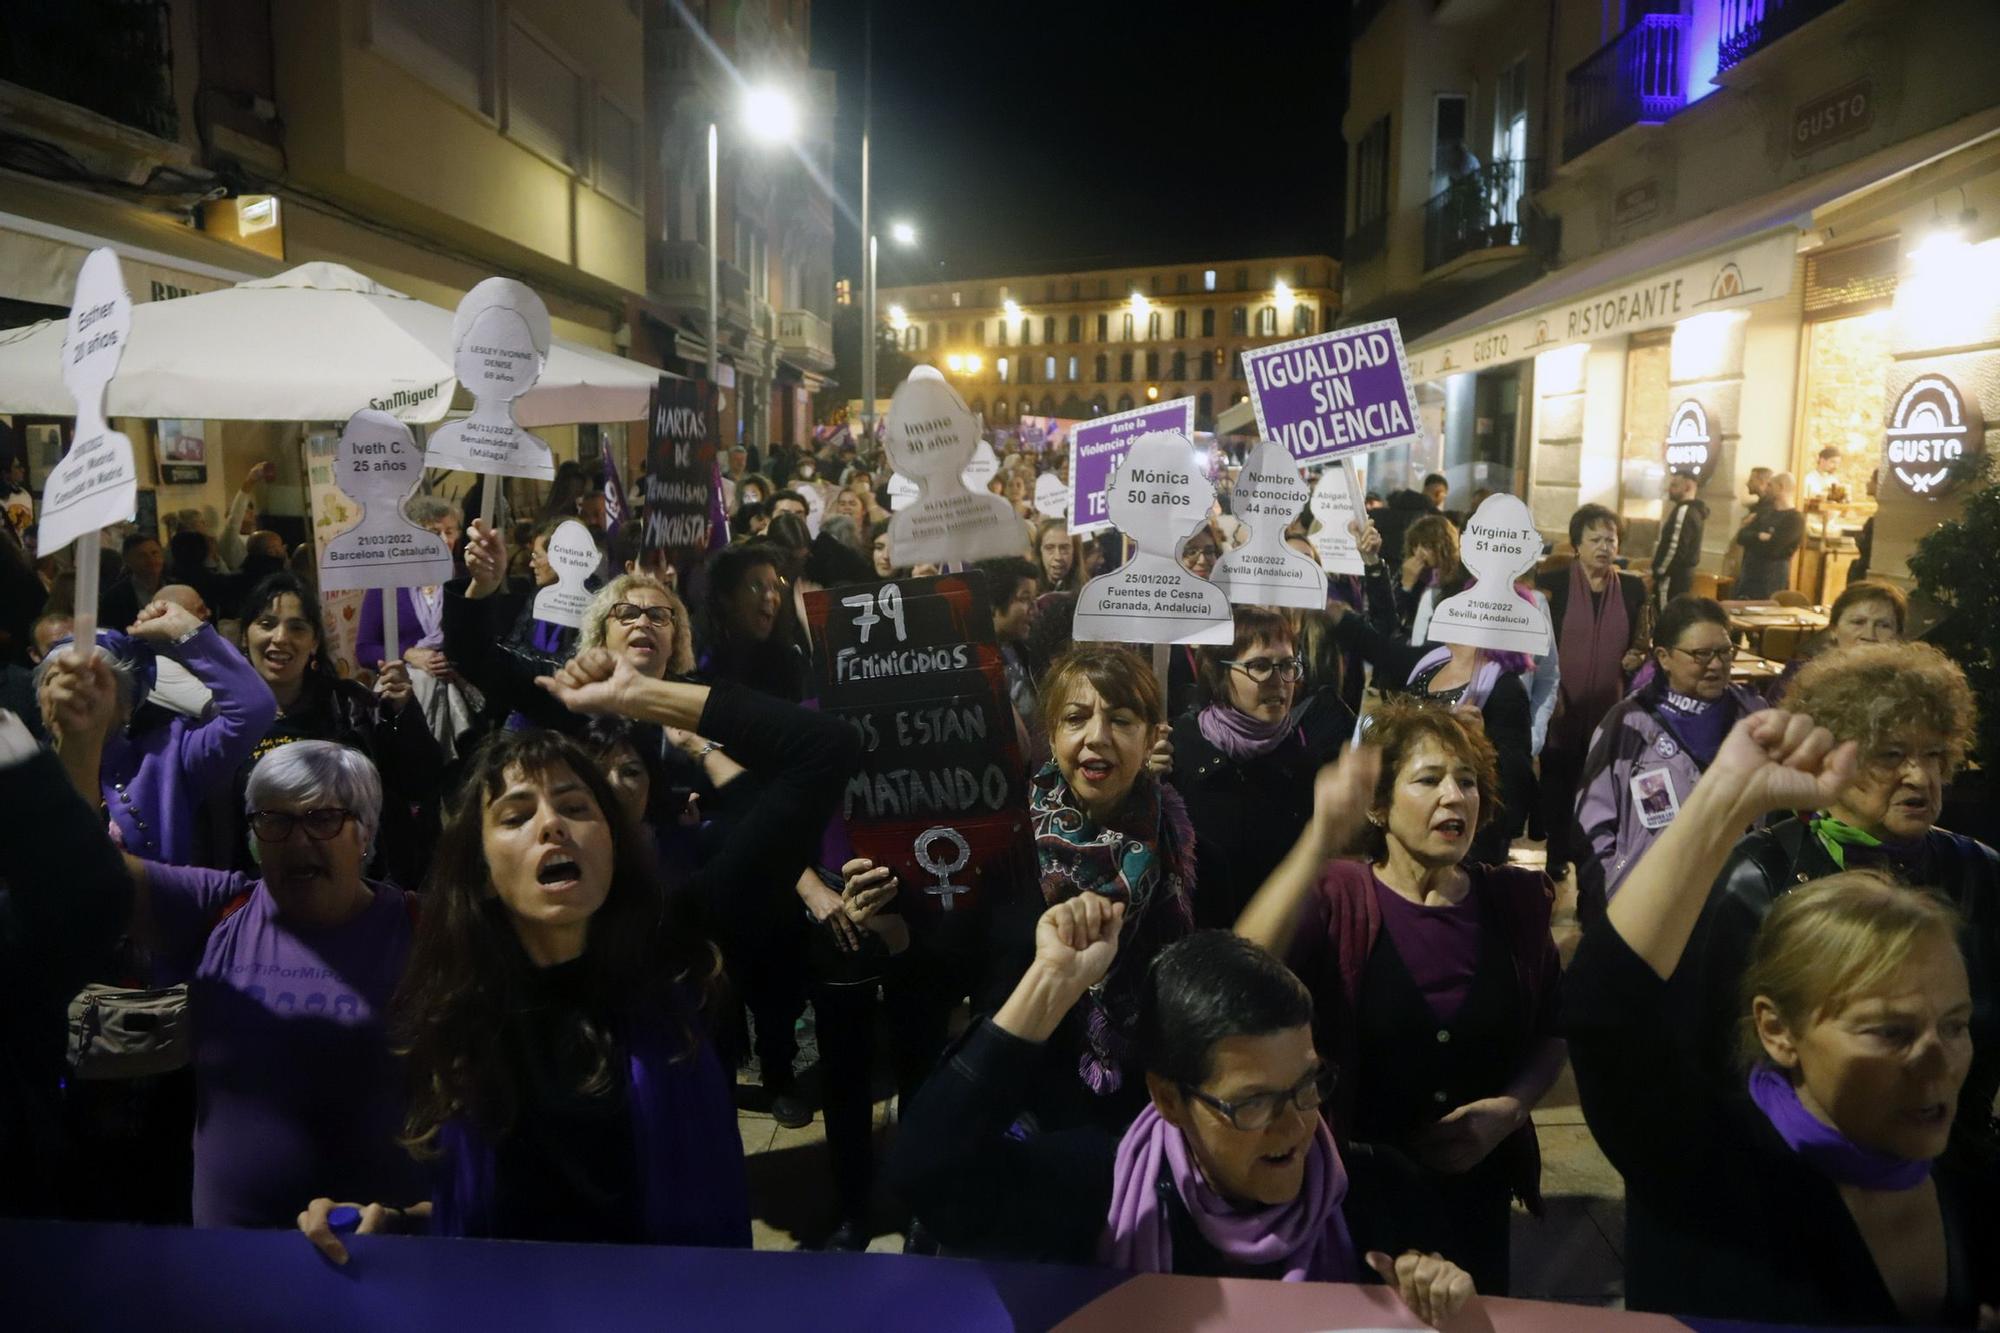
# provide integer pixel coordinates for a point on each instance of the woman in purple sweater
(153, 768)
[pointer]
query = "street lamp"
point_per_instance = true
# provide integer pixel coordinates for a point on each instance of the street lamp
(771, 117)
(903, 234)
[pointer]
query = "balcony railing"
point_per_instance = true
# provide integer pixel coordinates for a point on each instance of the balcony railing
(1748, 26)
(113, 57)
(680, 277)
(1638, 78)
(806, 338)
(1480, 210)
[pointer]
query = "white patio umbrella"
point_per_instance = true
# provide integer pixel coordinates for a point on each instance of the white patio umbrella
(315, 343)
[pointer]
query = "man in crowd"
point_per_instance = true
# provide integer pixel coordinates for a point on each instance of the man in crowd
(1679, 550)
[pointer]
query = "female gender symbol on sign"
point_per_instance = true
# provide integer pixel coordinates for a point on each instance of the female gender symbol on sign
(944, 888)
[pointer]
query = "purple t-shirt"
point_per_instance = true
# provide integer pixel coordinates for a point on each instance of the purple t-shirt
(297, 1094)
(1439, 945)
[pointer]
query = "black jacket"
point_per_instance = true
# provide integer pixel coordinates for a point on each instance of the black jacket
(1251, 812)
(67, 900)
(1772, 861)
(492, 641)
(1787, 528)
(1680, 549)
(1724, 1220)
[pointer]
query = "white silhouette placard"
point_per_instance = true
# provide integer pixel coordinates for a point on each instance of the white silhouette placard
(985, 463)
(1051, 496)
(1333, 506)
(931, 438)
(902, 492)
(1158, 496)
(97, 483)
(1265, 571)
(1500, 543)
(377, 465)
(573, 555)
(502, 335)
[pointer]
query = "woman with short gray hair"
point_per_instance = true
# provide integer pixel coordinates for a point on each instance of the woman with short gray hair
(289, 976)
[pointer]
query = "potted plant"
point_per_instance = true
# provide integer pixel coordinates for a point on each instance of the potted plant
(1954, 569)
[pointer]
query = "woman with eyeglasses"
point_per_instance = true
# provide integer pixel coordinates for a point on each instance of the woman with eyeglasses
(1654, 746)
(748, 633)
(1227, 1170)
(285, 640)
(1434, 976)
(1245, 756)
(290, 973)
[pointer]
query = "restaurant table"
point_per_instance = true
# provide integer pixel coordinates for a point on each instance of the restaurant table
(1752, 619)
(1749, 669)
(68, 1275)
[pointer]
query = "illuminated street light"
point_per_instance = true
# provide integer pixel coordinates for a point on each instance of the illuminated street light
(899, 318)
(954, 363)
(902, 233)
(1013, 309)
(1152, 392)
(770, 114)
(1139, 303)
(973, 363)
(1284, 294)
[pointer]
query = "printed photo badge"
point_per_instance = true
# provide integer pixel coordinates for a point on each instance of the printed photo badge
(1500, 544)
(1265, 571)
(573, 555)
(377, 466)
(1158, 497)
(502, 335)
(931, 438)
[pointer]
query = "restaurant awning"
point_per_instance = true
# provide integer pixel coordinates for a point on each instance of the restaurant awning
(1736, 256)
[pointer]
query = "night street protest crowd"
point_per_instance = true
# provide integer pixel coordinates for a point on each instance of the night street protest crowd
(474, 943)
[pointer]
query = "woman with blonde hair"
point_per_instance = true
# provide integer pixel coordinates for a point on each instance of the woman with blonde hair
(1814, 1187)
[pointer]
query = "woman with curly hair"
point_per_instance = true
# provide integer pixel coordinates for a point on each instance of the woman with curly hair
(1434, 976)
(555, 1016)
(1907, 708)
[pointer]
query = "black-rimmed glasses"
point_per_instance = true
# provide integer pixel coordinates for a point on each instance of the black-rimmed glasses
(1260, 669)
(630, 613)
(320, 825)
(1255, 1114)
(1708, 656)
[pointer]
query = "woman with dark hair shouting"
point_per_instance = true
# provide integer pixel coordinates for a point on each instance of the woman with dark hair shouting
(555, 1019)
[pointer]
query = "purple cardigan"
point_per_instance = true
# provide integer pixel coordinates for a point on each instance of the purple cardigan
(1632, 741)
(155, 777)
(369, 641)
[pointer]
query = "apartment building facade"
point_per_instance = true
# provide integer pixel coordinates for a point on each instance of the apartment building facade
(1080, 344)
(1759, 228)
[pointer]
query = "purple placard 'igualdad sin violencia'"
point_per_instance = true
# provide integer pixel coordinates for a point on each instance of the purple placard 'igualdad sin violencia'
(1344, 392)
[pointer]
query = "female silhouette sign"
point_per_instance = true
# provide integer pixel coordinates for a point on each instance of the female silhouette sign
(932, 437)
(1500, 544)
(1158, 497)
(1265, 571)
(502, 337)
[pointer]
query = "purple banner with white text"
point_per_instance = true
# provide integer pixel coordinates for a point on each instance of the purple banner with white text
(1098, 446)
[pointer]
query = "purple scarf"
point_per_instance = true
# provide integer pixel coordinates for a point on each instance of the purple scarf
(1592, 651)
(1239, 735)
(1830, 1152)
(1308, 1235)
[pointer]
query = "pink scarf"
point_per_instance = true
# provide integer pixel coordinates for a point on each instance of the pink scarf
(1592, 653)
(1308, 1235)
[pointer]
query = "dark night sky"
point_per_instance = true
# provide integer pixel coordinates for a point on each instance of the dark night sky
(1029, 135)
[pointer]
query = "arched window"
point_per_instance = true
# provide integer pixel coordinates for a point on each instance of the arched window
(1075, 329)
(1239, 320)
(1153, 327)
(1027, 408)
(1027, 331)
(1049, 370)
(1180, 318)
(910, 336)
(1048, 405)
(1127, 326)
(1124, 402)
(1049, 324)
(1204, 409)
(1207, 365)
(1102, 366)
(1267, 320)
(1125, 367)
(1072, 370)
(1026, 370)
(1104, 328)
(1302, 319)
(1208, 321)
(1152, 365)
(1001, 365)
(999, 333)
(1179, 364)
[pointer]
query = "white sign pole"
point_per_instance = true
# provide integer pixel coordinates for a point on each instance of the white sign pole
(392, 650)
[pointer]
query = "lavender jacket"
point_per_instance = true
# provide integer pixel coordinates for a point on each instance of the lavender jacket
(157, 771)
(1632, 741)
(370, 644)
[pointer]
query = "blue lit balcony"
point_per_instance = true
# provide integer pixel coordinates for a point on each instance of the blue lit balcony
(1748, 26)
(1639, 77)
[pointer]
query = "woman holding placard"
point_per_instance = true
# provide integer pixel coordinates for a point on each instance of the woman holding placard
(284, 638)
(490, 629)
(1244, 758)
(557, 1023)
(1435, 976)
